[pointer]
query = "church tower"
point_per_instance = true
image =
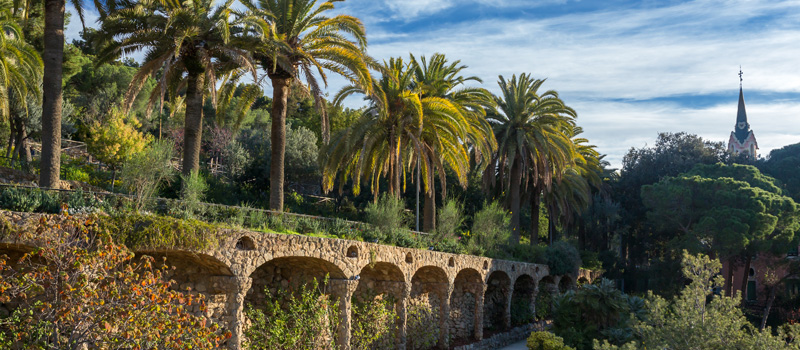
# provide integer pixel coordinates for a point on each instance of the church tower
(742, 138)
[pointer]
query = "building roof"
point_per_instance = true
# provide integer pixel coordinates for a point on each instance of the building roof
(741, 117)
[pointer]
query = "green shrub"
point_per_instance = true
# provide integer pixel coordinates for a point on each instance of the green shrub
(563, 258)
(527, 253)
(544, 304)
(146, 171)
(598, 311)
(422, 327)
(490, 230)
(590, 260)
(449, 219)
(193, 190)
(546, 341)
(138, 231)
(20, 199)
(449, 245)
(402, 237)
(388, 214)
(307, 319)
(521, 312)
(374, 322)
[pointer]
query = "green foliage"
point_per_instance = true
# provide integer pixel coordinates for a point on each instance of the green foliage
(374, 323)
(596, 311)
(139, 232)
(115, 140)
(544, 304)
(563, 258)
(521, 312)
(59, 304)
(543, 340)
(698, 319)
(422, 326)
(147, 170)
(193, 190)
(450, 218)
(490, 230)
(782, 164)
(18, 199)
(306, 319)
(590, 260)
(388, 214)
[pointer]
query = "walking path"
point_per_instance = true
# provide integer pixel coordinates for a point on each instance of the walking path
(516, 346)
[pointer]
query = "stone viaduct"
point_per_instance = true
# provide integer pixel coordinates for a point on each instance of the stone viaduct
(468, 293)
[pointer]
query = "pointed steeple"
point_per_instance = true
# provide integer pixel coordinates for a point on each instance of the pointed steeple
(742, 127)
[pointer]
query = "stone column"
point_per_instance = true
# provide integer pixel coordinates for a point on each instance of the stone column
(343, 290)
(480, 293)
(402, 318)
(445, 290)
(240, 286)
(507, 314)
(533, 300)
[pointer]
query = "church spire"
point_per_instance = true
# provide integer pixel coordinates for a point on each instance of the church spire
(742, 127)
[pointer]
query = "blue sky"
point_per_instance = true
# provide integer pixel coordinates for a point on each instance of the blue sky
(630, 68)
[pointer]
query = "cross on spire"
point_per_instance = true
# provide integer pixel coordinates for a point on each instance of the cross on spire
(740, 76)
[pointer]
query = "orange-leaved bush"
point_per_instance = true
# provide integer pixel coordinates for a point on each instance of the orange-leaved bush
(79, 289)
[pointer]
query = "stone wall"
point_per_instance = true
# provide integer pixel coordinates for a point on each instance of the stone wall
(458, 288)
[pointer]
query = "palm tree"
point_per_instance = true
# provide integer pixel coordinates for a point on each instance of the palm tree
(532, 144)
(440, 79)
(301, 43)
(373, 146)
(572, 194)
(20, 64)
(194, 38)
(20, 78)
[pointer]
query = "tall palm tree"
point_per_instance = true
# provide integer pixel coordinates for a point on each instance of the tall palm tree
(373, 146)
(533, 146)
(573, 194)
(20, 64)
(188, 44)
(20, 79)
(302, 43)
(441, 79)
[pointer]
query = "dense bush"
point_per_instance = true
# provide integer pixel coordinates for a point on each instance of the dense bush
(374, 322)
(59, 304)
(139, 231)
(546, 341)
(147, 170)
(422, 327)
(597, 311)
(563, 258)
(387, 214)
(521, 312)
(306, 319)
(490, 230)
(29, 200)
(450, 218)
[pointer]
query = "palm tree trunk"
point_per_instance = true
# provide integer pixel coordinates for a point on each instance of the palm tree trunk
(429, 224)
(535, 205)
(516, 184)
(193, 122)
(51, 93)
(280, 95)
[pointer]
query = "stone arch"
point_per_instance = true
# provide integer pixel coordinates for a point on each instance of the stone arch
(197, 274)
(427, 308)
(522, 306)
(465, 304)
(583, 280)
(496, 300)
(566, 283)
(288, 274)
(381, 282)
(14, 252)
